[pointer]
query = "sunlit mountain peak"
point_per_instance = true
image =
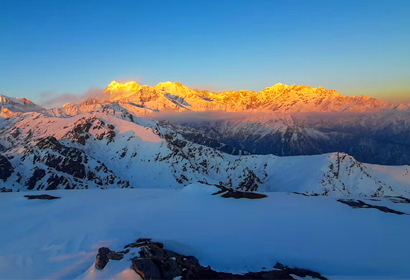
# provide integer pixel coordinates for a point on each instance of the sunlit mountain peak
(173, 96)
(117, 90)
(174, 88)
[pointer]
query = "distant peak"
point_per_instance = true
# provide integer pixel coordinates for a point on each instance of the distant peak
(18, 104)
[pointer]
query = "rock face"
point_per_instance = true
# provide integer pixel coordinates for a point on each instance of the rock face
(146, 268)
(155, 262)
(104, 255)
(47, 164)
(6, 169)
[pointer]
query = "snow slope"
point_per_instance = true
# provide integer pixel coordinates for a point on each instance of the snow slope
(59, 239)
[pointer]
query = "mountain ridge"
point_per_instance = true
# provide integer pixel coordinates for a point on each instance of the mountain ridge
(277, 98)
(110, 147)
(18, 104)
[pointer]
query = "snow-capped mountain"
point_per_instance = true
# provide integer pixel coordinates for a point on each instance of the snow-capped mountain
(280, 120)
(16, 104)
(125, 140)
(110, 147)
(278, 98)
(376, 137)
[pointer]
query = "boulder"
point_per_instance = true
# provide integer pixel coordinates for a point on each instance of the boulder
(104, 255)
(42, 197)
(101, 259)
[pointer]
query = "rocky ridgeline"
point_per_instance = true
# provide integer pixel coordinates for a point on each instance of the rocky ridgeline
(51, 165)
(155, 262)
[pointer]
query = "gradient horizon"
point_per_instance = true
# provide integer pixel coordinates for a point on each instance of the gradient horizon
(51, 48)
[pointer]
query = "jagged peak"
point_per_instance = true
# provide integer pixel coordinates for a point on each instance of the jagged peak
(279, 97)
(116, 90)
(115, 85)
(179, 88)
(173, 87)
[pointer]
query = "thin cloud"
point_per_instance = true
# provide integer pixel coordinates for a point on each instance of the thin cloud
(52, 99)
(205, 116)
(211, 116)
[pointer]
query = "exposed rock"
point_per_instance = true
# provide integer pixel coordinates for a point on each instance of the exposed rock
(232, 193)
(6, 169)
(146, 268)
(155, 262)
(4, 189)
(104, 255)
(49, 142)
(360, 204)
(250, 183)
(54, 181)
(70, 162)
(238, 194)
(42, 197)
(38, 174)
(101, 259)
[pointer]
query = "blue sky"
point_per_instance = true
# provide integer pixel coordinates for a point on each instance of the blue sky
(49, 48)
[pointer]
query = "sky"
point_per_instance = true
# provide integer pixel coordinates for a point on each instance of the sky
(52, 48)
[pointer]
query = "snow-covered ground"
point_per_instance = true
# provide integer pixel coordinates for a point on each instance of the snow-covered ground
(58, 239)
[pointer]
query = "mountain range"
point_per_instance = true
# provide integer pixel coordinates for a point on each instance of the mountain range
(132, 135)
(280, 120)
(170, 96)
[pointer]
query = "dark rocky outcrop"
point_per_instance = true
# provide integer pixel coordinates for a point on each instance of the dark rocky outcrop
(6, 169)
(38, 174)
(42, 197)
(4, 189)
(104, 255)
(360, 204)
(155, 262)
(71, 162)
(146, 268)
(250, 183)
(232, 193)
(54, 181)
(49, 142)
